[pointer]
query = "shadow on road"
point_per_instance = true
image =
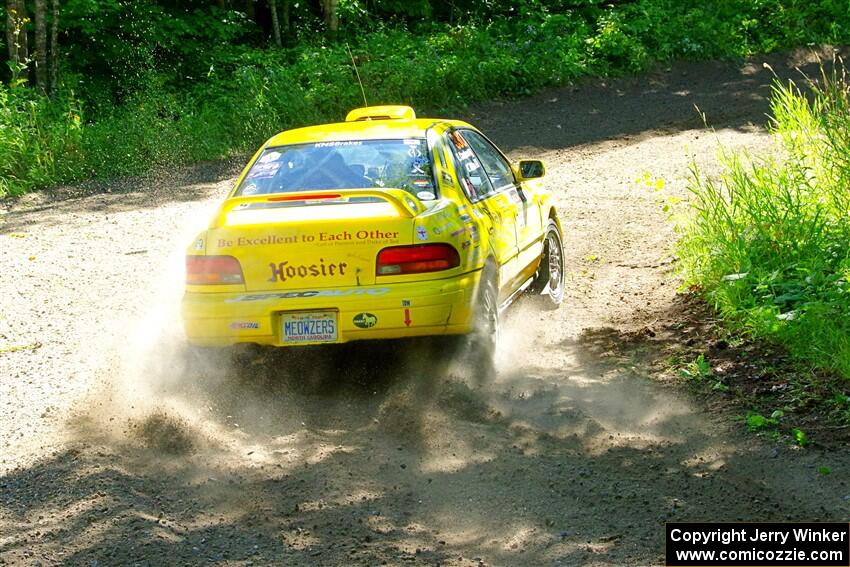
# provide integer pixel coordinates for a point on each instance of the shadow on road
(730, 95)
(361, 454)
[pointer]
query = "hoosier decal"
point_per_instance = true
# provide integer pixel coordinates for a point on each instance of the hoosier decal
(284, 271)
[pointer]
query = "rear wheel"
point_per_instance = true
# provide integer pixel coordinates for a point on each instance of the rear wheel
(549, 280)
(481, 343)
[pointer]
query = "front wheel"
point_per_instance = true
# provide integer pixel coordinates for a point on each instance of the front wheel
(549, 279)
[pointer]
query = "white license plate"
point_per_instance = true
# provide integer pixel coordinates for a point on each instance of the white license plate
(309, 327)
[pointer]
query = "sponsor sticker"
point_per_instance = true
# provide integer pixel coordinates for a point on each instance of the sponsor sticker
(244, 325)
(319, 238)
(338, 144)
(283, 271)
(365, 320)
(371, 291)
(421, 233)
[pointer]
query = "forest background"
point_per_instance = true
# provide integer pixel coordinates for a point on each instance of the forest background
(104, 88)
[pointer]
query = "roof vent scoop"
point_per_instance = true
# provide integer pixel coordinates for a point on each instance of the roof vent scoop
(387, 112)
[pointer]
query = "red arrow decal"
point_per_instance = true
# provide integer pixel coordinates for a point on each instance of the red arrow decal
(407, 317)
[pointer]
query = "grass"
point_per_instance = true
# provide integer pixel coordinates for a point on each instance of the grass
(768, 241)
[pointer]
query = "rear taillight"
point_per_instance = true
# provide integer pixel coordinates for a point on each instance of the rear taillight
(416, 259)
(213, 270)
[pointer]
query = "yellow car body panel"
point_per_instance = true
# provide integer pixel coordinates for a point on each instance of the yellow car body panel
(308, 258)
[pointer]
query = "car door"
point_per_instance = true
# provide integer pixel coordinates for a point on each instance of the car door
(488, 202)
(525, 208)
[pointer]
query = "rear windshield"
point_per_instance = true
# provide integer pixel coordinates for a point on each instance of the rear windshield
(359, 164)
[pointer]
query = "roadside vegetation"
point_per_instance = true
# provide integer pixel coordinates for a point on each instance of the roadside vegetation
(155, 83)
(767, 243)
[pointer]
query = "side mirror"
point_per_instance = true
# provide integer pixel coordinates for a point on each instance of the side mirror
(529, 169)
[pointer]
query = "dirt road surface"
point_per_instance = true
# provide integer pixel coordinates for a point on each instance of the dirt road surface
(113, 453)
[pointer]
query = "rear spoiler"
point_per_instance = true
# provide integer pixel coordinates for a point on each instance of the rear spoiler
(407, 205)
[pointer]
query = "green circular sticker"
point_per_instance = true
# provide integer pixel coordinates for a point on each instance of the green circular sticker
(365, 320)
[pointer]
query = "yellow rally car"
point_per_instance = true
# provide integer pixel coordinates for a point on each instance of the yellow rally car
(381, 227)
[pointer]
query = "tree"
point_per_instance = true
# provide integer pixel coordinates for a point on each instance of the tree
(330, 11)
(287, 27)
(275, 23)
(16, 34)
(21, 31)
(54, 48)
(40, 55)
(11, 25)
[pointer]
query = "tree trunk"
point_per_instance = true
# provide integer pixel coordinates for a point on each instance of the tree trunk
(40, 54)
(249, 9)
(23, 44)
(329, 8)
(287, 27)
(54, 49)
(11, 26)
(275, 23)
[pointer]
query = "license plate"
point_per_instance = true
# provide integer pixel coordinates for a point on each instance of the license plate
(309, 327)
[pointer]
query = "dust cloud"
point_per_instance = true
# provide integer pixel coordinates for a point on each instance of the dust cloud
(157, 394)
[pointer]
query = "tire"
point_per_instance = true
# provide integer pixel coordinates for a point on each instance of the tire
(549, 279)
(481, 342)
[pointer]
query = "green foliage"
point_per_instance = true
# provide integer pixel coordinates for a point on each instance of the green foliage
(756, 422)
(799, 437)
(36, 136)
(769, 241)
(699, 369)
(157, 83)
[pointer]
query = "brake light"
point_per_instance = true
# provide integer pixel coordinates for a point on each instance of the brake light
(213, 270)
(416, 259)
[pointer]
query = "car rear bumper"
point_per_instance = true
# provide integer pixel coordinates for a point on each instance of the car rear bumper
(436, 307)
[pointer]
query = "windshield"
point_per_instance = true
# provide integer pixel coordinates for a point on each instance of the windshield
(358, 164)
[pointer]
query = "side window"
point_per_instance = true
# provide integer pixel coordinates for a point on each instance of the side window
(498, 170)
(472, 176)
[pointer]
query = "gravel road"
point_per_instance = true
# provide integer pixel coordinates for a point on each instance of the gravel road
(113, 453)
